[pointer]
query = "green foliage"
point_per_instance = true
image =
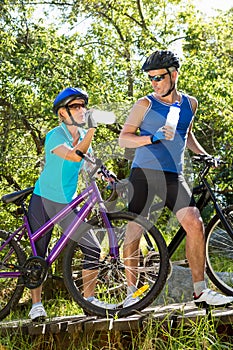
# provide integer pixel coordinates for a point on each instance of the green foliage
(208, 63)
(104, 56)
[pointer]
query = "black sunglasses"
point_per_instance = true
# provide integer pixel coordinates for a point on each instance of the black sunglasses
(76, 106)
(157, 77)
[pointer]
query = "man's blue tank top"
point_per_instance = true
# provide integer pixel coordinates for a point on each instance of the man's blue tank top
(165, 155)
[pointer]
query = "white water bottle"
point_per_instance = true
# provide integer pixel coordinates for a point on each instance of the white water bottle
(103, 117)
(173, 117)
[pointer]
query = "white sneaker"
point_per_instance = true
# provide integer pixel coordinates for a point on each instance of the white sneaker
(209, 297)
(37, 313)
(101, 304)
(130, 300)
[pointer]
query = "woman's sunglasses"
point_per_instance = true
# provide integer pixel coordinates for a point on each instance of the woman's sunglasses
(157, 77)
(77, 106)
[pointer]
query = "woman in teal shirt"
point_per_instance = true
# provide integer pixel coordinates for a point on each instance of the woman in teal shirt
(57, 183)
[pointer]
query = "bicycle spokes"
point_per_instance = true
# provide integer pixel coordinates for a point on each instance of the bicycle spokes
(146, 265)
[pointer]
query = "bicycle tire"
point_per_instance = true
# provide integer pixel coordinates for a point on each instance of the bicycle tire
(111, 286)
(11, 289)
(219, 252)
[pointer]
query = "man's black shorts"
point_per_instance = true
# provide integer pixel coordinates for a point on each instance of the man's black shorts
(170, 187)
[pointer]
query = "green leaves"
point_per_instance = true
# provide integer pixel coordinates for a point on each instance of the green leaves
(102, 51)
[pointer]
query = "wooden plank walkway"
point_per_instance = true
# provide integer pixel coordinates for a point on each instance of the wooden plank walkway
(84, 327)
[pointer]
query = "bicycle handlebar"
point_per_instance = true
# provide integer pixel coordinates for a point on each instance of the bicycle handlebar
(208, 160)
(119, 186)
(114, 184)
(100, 168)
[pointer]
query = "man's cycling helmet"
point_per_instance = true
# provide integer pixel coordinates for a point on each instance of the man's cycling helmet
(161, 59)
(68, 95)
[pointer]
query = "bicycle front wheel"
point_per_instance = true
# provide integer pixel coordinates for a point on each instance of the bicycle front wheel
(219, 252)
(149, 267)
(11, 288)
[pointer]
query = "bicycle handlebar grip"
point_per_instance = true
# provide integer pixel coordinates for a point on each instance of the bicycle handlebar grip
(79, 153)
(201, 157)
(208, 159)
(97, 161)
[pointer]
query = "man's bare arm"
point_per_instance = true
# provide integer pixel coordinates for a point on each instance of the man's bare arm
(128, 137)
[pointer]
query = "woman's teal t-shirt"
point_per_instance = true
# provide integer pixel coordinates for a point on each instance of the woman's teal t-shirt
(58, 180)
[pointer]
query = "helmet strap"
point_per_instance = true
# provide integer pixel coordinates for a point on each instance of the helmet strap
(172, 87)
(73, 122)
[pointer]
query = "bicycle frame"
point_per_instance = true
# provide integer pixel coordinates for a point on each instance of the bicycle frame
(217, 207)
(90, 196)
(180, 234)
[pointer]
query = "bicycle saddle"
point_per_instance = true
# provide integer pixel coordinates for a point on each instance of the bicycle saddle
(17, 197)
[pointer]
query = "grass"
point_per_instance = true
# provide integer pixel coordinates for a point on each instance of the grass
(155, 335)
(162, 335)
(54, 308)
(201, 335)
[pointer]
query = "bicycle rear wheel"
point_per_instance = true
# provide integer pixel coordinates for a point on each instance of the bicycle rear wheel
(11, 289)
(219, 252)
(151, 269)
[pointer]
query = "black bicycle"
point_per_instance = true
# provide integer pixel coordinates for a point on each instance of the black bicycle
(218, 232)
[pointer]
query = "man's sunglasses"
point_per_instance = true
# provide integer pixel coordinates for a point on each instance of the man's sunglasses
(76, 106)
(157, 77)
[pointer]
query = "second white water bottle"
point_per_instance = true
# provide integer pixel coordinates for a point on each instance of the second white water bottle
(173, 117)
(103, 117)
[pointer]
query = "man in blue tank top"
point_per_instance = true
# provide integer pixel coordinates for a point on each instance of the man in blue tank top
(157, 169)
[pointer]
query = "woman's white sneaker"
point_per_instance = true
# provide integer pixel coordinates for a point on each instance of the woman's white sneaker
(38, 313)
(130, 300)
(101, 304)
(209, 297)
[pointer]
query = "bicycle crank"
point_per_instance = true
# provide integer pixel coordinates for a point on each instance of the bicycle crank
(35, 272)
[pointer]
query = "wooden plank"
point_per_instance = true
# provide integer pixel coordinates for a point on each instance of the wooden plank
(128, 324)
(172, 315)
(77, 326)
(55, 325)
(187, 314)
(16, 326)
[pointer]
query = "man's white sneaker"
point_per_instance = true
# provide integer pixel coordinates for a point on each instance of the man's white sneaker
(209, 297)
(102, 304)
(38, 313)
(130, 300)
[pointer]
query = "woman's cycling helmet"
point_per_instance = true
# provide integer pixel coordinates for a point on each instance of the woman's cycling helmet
(161, 59)
(68, 95)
